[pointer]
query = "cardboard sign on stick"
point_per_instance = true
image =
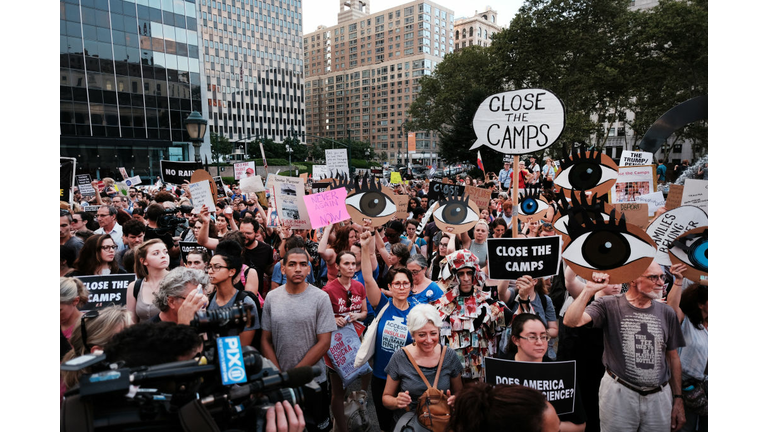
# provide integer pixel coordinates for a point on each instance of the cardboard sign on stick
(519, 122)
(201, 195)
(555, 380)
(456, 214)
(481, 196)
(368, 203)
(511, 258)
(674, 197)
(589, 171)
(327, 207)
(401, 201)
(635, 213)
(252, 184)
(671, 225)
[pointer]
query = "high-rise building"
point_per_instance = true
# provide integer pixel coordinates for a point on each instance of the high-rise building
(130, 75)
(476, 30)
(253, 71)
(363, 73)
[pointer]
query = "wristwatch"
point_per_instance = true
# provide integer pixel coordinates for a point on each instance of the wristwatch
(677, 396)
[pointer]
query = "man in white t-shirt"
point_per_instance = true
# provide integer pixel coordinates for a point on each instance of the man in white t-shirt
(535, 169)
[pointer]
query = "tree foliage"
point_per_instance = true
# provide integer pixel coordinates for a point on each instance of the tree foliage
(220, 147)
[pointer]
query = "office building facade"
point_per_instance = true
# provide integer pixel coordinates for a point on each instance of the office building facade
(130, 75)
(363, 73)
(476, 30)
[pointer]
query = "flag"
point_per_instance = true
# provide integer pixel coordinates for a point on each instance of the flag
(480, 161)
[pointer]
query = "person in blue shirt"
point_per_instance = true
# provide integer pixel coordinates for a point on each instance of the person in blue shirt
(661, 172)
(423, 290)
(505, 177)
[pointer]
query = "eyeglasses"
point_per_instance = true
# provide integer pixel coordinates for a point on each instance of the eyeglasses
(445, 245)
(400, 284)
(215, 267)
(534, 339)
(655, 278)
(63, 212)
(83, 333)
(109, 247)
(413, 272)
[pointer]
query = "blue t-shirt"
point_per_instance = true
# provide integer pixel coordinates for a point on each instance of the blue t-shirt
(431, 293)
(661, 171)
(391, 335)
(280, 279)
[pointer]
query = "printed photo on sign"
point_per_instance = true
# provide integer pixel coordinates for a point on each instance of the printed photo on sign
(555, 380)
(509, 259)
(242, 169)
(106, 290)
(632, 182)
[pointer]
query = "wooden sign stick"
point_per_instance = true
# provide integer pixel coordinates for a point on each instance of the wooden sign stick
(515, 178)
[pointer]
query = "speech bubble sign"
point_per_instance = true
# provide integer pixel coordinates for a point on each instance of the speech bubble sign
(671, 225)
(519, 122)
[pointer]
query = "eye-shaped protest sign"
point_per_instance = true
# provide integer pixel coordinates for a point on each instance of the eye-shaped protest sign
(519, 122)
(692, 249)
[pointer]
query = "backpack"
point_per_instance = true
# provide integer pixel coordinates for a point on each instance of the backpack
(240, 297)
(137, 288)
(432, 410)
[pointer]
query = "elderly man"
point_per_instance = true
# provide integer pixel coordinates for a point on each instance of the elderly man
(641, 389)
(178, 297)
(505, 177)
(107, 218)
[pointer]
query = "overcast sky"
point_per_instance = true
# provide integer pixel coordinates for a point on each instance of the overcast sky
(323, 12)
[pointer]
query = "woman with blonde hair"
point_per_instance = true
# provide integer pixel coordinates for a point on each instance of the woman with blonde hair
(151, 266)
(73, 296)
(90, 334)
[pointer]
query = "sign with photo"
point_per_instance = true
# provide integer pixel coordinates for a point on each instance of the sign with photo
(511, 258)
(176, 172)
(221, 190)
(106, 290)
(289, 196)
(632, 182)
(555, 380)
(242, 167)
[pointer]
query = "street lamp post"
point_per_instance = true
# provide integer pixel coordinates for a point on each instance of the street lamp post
(196, 126)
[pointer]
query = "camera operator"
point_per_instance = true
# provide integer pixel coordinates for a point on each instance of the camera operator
(178, 298)
(154, 213)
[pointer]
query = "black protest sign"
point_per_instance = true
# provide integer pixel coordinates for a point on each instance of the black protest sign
(67, 178)
(440, 191)
(220, 190)
(106, 290)
(187, 247)
(84, 185)
(555, 380)
(511, 258)
(177, 172)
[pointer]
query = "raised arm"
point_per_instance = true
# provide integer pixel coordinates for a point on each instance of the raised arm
(673, 297)
(572, 283)
(575, 315)
(202, 235)
(451, 243)
(381, 247)
(326, 253)
(372, 290)
(466, 242)
(95, 185)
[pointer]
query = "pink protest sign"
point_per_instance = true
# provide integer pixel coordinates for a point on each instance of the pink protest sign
(327, 207)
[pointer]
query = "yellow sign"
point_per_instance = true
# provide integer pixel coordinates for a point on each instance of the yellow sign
(395, 178)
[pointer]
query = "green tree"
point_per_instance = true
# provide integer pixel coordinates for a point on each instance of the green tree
(220, 147)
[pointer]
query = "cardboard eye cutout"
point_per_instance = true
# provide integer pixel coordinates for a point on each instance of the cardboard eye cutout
(670, 225)
(593, 206)
(622, 251)
(368, 203)
(456, 214)
(532, 204)
(692, 249)
(589, 171)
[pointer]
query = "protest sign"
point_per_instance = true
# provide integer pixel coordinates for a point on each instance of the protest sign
(674, 197)
(122, 188)
(273, 219)
(696, 193)
(67, 178)
(395, 178)
(252, 184)
(289, 194)
(555, 380)
(442, 191)
(106, 290)
(303, 177)
(692, 249)
(327, 207)
(632, 182)
(203, 175)
(481, 196)
(336, 161)
(84, 184)
(672, 224)
(590, 172)
(221, 190)
(635, 158)
(241, 167)
(519, 122)
(123, 172)
(654, 200)
(187, 247)
(132, 181)
(201, 195)
(320, 172)
(177, 172)
(635, 213)
(511, 258)
(91, 208)
(401, 201)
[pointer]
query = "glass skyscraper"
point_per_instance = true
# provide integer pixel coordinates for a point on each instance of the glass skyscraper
(130, 74)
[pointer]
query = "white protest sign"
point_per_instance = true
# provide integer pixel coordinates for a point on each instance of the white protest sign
(241, 167)
(289, 197)
(84, 184)
(336, 161)
(320, 171)
(654, 201)
(201, 194)
(519, 122)
(672, 224)
(133, 181)
(632, 182)
(252, 184)
(632, 158)
(696, 193)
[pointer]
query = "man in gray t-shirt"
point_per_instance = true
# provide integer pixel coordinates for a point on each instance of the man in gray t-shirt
(297, 321)
(642, 382)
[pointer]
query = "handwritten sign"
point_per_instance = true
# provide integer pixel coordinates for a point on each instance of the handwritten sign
(319, 172)
(696, 193)
(401, 201)
(634, 158)
(394, 177)
(655, 200)
(201, 195)
(674, 196)
(555, 380)
(252, 184)
(519, 122)
(106, 290)
(327, 207)
(481, 196)
(508, 259)
(336, 161)
(635, 213)
(241, 167)
(670, 225)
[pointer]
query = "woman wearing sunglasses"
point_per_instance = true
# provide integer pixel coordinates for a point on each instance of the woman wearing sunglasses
(97, 257)
(529, 334)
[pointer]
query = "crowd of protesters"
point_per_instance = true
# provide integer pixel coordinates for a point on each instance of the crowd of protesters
(433, 287)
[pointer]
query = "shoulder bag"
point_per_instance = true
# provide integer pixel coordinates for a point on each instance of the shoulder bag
(432, 410)
(368, 346)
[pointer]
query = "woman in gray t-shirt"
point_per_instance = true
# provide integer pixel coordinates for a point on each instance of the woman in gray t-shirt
(404, 385)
